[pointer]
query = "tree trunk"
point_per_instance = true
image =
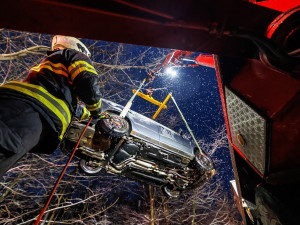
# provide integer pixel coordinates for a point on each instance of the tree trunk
(151, 195)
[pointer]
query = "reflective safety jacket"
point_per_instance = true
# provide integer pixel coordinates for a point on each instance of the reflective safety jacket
(55, 86)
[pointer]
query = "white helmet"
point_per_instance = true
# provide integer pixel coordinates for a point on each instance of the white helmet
(61, 42)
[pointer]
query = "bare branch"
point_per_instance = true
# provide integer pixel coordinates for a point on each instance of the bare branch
(24, 52)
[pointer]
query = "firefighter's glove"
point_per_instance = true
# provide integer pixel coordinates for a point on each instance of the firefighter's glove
(103, 115)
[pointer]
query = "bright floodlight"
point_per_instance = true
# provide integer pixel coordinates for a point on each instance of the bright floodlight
(171, 71)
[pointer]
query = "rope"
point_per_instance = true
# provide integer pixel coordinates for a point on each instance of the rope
(61, 175)
(187, 126)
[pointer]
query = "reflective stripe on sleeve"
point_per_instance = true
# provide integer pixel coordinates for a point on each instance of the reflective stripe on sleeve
(79, 67)
(86, 114)
(58, 68)
(56, 105)
(94, 106)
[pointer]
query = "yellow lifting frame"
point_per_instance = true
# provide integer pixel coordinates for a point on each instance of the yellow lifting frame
(162, 105)
(149, 99)
(155, 102)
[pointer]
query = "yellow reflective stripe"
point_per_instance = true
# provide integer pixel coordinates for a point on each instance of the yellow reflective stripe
(58, 68)
(79, 63)
(60, 102)
(58, 65)
(94, 106)
(86, 114)
(79, 67)
(57, 106)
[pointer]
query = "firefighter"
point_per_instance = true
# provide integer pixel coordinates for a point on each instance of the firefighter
(35, 112)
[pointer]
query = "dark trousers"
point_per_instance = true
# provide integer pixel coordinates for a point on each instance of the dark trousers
(20, 131)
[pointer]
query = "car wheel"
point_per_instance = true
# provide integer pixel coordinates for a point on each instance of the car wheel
(203, 161)
(86, 167)
(169, 193)
(115, 126)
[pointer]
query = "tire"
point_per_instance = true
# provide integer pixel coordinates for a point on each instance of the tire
(90, 170)
(205, 169)
(169, 193)
(203, 162)
(114, 126)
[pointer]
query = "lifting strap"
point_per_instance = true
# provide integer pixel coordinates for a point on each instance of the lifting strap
(187, 126)
(129, 103)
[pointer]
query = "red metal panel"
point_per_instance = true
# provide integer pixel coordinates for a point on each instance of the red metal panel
(205, 60)
(285, 138)
(280, 5)
(193, 25)
(276, 95)
(268, 89)
(223, 100)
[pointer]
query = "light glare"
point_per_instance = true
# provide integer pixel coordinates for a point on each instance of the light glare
(171, 71)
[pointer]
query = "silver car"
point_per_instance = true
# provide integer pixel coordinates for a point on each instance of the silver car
(139, 148)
